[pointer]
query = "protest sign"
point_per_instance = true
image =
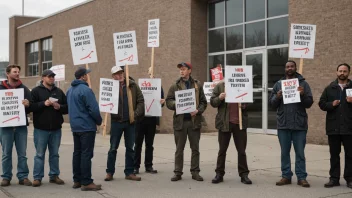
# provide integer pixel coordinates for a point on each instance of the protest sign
(302, 41)
(12, 110)
(125, 45)
(216, 73)
(349, 92)
(83, 45)
(238, 84)
(59, 70)
(151, 89)
(153, 33)
(109, 95)
(290, 93)
(185, 101)
(208, 88)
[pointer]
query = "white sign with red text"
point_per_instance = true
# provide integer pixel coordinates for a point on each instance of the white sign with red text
(109, 95)
(185, 101)
(151, 89)
(153, 33)
(208, 88)
(125, 45)
(302, 41)
(290, 91)
(12, 110)
(83, 45)
(238, 84)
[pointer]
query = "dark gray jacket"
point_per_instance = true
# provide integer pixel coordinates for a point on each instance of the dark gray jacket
(292, 116)
(338, 118)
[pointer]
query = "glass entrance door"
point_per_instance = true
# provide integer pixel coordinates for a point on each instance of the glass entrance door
(258, 110)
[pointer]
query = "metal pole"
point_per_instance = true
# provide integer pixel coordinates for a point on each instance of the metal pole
(22, 7)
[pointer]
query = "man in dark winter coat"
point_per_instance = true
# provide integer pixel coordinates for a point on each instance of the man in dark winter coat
(292, 125)
(337, 103)
(49, 104)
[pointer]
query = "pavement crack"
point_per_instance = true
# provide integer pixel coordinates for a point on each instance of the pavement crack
(337, 195)
(105, 195)
(6, 192)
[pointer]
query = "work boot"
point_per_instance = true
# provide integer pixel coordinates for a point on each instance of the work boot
(5, 182)
(37, 183)
(176, 178)
(108, 177)
(25, 182)
(57, 180)
(91, 187)
(136, 171)
(133, 177)
(217, 179)
(283, 181)
(76, 185)
(246, 180)
(197, 177)
(151, 170)
(303, 183)
(332, 183)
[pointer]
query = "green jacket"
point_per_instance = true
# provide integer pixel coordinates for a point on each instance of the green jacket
(222, 118)
(201, 103)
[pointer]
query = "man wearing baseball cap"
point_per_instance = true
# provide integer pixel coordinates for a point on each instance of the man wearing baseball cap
(49, 104)
(188, 124)
(121, 124)
(84, 116)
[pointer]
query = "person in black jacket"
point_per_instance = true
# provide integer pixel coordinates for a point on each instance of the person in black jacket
(49, 104)
(338, 106)
(18, 134)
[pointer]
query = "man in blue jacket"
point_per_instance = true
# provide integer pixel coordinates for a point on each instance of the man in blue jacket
(292, 125)
(84, 115)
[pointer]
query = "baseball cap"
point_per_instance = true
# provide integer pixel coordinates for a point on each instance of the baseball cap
(48, 72)
(81, 71)
(183, 64)
(116, 69)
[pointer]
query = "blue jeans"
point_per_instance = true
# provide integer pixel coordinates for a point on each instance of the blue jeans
(82, 157)
(52, 140)
(298, 138)
(19, 136)
(117, 128)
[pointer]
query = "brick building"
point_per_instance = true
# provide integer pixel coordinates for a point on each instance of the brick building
(206, 33)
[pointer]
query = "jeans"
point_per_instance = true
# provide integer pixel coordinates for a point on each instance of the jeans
(335, 150)
(298, 138)
(19, 136)
(117, 128)
(145, 128)
(42, 140)
(82, 157)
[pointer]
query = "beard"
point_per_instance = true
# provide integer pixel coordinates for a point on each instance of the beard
(342, 77)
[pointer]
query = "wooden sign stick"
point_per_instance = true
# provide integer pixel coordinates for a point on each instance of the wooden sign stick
(240, 115)
(88, 80)
(152, 64)
(300, 71)
(129, 95)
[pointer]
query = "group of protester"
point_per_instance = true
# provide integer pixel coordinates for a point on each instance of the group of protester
(49, 103)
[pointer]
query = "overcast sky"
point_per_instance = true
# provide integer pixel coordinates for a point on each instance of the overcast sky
(40, 8)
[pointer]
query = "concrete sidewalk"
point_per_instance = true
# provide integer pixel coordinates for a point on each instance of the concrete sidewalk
(263, 153)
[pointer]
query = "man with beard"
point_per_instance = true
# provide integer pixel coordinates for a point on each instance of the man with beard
(338, 106)
(15, 134)
(49, 104)
(292, 125)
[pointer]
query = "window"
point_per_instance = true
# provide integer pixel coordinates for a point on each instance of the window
(237, 25)
(47, 49)
(33, 59)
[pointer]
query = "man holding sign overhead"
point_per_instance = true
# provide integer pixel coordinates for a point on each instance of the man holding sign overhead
(186, 98)
(336, 100)
(292, 121)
